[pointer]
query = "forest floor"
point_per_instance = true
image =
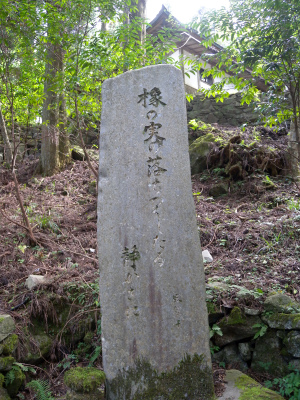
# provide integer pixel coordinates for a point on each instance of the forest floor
(252, 233)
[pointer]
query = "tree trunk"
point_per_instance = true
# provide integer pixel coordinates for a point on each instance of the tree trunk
(294, 148)
(141, 13)
(7, 145)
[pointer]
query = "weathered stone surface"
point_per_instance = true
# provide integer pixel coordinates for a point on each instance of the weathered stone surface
(267, 355)
(207, 256)
(281, 303)
(241, 387)
(34, 280)
(151, 274)
(7, 326)
(245, 351)
(292, 343)
(236, 327)
(282, 321)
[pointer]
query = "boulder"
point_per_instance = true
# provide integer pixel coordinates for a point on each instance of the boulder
(292, 343)
(281, 303)
(241, 387)
(236, 327)
(267, 356)
(7, 326)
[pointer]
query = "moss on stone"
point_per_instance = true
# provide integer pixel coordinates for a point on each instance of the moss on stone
(191, 378)
(251, 390)
(6, 363)
(10, 344)
(283, 321)
(1, 380)
(235, 317)
(84, 380)
(14, 386)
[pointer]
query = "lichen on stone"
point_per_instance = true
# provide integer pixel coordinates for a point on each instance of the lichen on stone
(191, 378)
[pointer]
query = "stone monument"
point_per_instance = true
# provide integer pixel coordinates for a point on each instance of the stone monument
(155, 336)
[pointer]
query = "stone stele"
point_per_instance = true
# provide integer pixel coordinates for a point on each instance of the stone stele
(155, 335)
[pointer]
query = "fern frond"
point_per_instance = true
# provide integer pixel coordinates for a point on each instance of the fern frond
(41, 389)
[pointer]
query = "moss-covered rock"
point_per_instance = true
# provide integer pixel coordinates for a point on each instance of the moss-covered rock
(37, 347)
(191, 378)
(218, 190)
(199, 150)
(236, 327)
(242, 387)
(6, 363)
(267, 355)
(281, 303)
(282, 321)
(10, 344)
(3, 394)
(84, 380)
(14, 386)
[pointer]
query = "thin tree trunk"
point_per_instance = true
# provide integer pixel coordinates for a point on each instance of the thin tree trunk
(50, 130)
(141, 13)
(7, 145)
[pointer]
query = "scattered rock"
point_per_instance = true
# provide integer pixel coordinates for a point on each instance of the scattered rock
(34, 280)
(207, 256)
(14, 386)
(77, 153)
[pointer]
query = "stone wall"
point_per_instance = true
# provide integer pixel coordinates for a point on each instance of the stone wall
(265, 339)
(230, 112)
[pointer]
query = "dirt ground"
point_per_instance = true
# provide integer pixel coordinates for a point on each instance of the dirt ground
(252, 233)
